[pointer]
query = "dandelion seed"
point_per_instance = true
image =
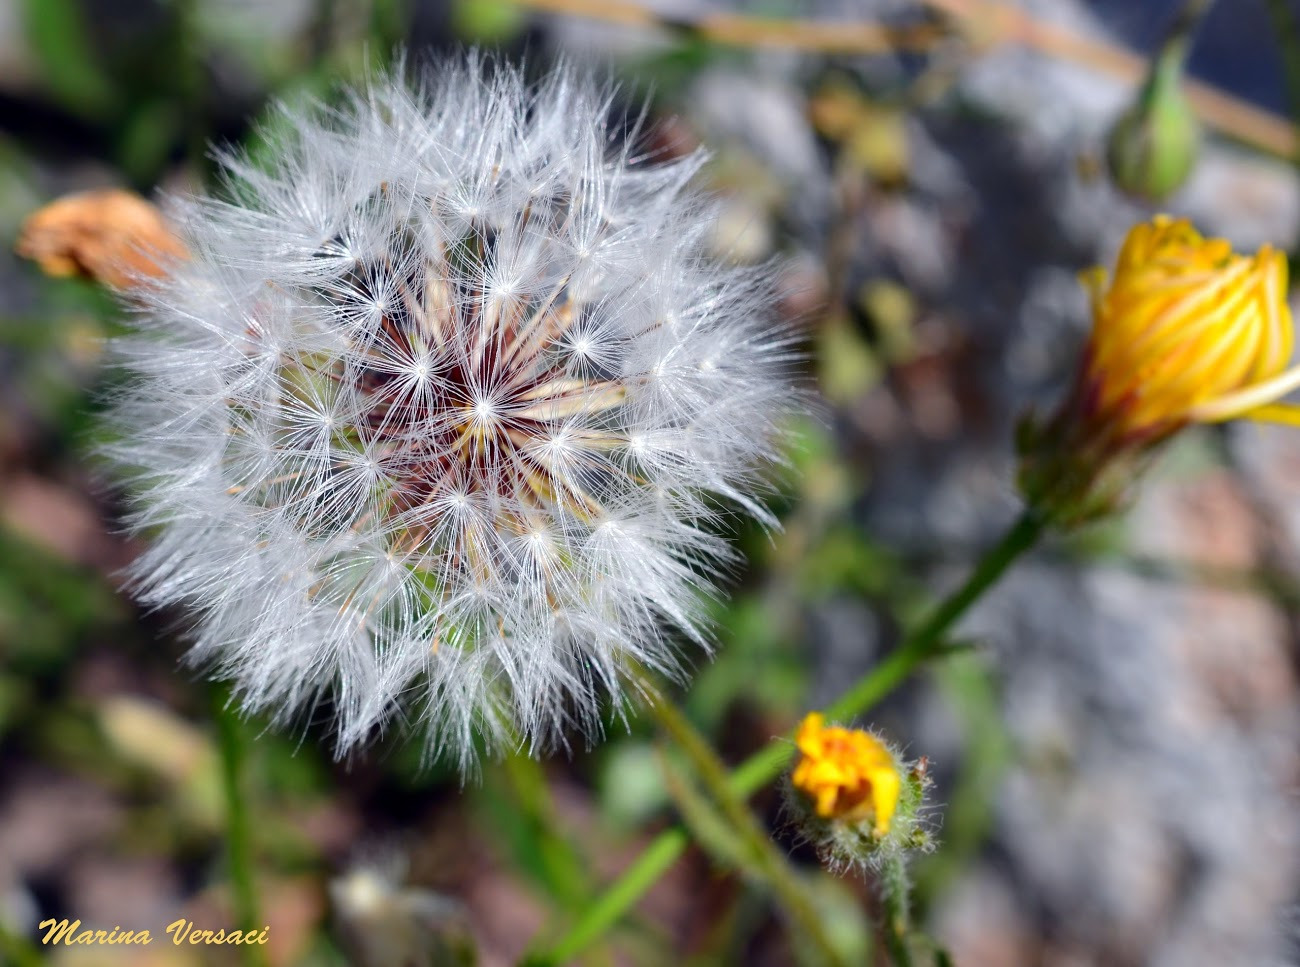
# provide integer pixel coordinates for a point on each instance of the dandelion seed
(434, 420)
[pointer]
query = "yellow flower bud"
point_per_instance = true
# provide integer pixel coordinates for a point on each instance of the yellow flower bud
(848, 775)
(1185, 331)
(855, 799)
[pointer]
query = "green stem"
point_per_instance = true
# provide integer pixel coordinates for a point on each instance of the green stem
(769, 862)
(563, 870)
(1286, 28)
(320, 35)
(232, 748)
(653, 862)
(1188, 19)
(190, 86)
(970, 691)
(1169, 62)
(766, 764)
(897, 926)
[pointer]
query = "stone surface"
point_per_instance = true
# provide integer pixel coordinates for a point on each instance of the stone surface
(1150, 696)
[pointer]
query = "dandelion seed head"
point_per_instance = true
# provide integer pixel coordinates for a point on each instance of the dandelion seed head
(425, 428)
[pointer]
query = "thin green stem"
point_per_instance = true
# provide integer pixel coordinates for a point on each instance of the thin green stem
(1286, 29)
(972, 694)
(897, 921)
(766, 764)
(1188, 19)
(320, 35)
(1169, 62)
(232, 747)
(532, 826)
(191, 87)
(612, 903)
(563, 869)
(769, 862)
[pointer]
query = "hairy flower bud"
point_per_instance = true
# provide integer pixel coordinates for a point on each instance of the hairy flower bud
(853, 796)
(439, 419)
(1185, 331)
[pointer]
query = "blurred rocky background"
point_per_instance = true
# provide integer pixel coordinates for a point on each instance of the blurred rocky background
(1116, 749)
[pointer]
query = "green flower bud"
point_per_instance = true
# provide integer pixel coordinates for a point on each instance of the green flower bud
(1154, 144)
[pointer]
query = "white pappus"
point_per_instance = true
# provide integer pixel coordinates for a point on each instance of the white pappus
(439, 418)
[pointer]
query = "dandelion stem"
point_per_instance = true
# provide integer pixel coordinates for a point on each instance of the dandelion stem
(232, 747)
(563, 869)
(766, 764)
(769, 862)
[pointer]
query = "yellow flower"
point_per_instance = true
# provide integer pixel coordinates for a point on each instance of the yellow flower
(848, 774)
(1187, 331)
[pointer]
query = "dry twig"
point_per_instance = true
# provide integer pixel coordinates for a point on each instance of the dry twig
(987, 23)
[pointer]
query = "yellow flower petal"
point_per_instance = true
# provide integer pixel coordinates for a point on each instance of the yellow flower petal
(1288, 413)
(1185, 330)
(848, 775)
(886, 784)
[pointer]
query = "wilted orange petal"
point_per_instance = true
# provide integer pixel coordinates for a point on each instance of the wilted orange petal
(110, 235)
